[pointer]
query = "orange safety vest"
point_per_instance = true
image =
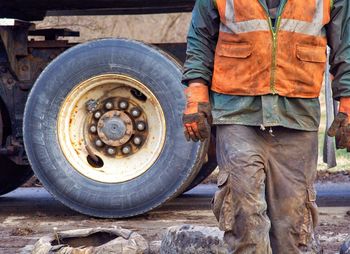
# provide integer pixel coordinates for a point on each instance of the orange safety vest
(252, 58)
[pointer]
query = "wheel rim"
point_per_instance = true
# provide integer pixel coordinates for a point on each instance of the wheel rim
(111, 128)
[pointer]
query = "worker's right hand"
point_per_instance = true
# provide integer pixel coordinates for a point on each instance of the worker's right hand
(340, 128)
(197, 116)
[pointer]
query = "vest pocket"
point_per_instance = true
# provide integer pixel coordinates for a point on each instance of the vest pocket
(306, 72)
(233, 68)
(235, 50)
(310, 53)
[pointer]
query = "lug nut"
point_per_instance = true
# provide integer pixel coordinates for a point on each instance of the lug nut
(141, 126)
(109, 105)
(126, 150)
(111, 151)
(99, 143)
(97, 114)
(93, 129)
(123, 104)
(137, 141)
(135, 112)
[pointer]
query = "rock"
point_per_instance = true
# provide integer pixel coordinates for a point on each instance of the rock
(345, 248)
(26, 249)
(154, 247)
(92, 241)
(188, 239)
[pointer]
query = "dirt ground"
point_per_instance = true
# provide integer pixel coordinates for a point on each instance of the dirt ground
(25, 218)
(336, 177)
(334, 228)
(18, 230)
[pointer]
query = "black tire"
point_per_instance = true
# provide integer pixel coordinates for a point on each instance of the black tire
(12, 175)
(175, 168)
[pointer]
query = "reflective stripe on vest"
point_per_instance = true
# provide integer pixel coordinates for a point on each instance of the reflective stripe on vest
(254, 58)
(290, 25)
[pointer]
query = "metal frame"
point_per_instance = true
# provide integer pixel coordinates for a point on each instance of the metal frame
(36, 10)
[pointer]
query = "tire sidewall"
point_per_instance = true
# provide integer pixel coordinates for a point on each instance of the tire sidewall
(116, 56)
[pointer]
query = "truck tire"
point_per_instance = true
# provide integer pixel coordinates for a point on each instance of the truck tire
(12, 175)
(103, 129)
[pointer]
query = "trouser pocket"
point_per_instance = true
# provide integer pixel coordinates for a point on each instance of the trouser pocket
(310, 218)
(222, 203)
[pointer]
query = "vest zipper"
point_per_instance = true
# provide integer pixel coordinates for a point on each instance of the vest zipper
(274, 32)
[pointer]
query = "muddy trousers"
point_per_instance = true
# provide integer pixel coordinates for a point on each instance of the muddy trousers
(266, 197)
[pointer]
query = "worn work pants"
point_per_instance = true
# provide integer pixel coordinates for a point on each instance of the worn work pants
(266, 198)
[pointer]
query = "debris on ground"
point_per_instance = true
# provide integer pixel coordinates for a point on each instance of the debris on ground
(333, 177)
(189, 239)
(154, 247)
(22, 231)
(33, 182)
(35, 209)
(92, 241)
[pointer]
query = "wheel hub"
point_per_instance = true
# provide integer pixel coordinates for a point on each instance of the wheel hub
(115, 128)
(111, 128)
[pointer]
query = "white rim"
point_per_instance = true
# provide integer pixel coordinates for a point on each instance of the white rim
(73, 130)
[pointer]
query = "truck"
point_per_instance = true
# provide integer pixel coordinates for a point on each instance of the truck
(99, 123)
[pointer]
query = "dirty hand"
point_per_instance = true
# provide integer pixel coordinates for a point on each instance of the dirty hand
(340, 128)
(197, 116)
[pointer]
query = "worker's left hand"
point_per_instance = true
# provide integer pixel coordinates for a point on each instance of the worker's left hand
(340, 128)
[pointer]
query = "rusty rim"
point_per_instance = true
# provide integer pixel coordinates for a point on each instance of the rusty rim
(111, 128)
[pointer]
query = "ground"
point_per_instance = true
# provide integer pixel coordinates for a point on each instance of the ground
(29, 213)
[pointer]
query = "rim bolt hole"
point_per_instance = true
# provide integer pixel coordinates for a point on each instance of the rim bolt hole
(97, 115)
(93, 129)
(96, 164)
(126, 150)
(138, 95)
(141, 126)
(98, 143)
(135, 112)
(137, 141)
(123, 104)
(109, 105)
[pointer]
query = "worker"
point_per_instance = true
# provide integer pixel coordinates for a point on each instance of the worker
(254, 69)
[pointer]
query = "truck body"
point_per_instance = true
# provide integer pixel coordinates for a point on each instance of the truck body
(34, 10)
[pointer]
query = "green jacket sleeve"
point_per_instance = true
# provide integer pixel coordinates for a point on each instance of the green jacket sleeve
(201, 42)
(338, 35)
